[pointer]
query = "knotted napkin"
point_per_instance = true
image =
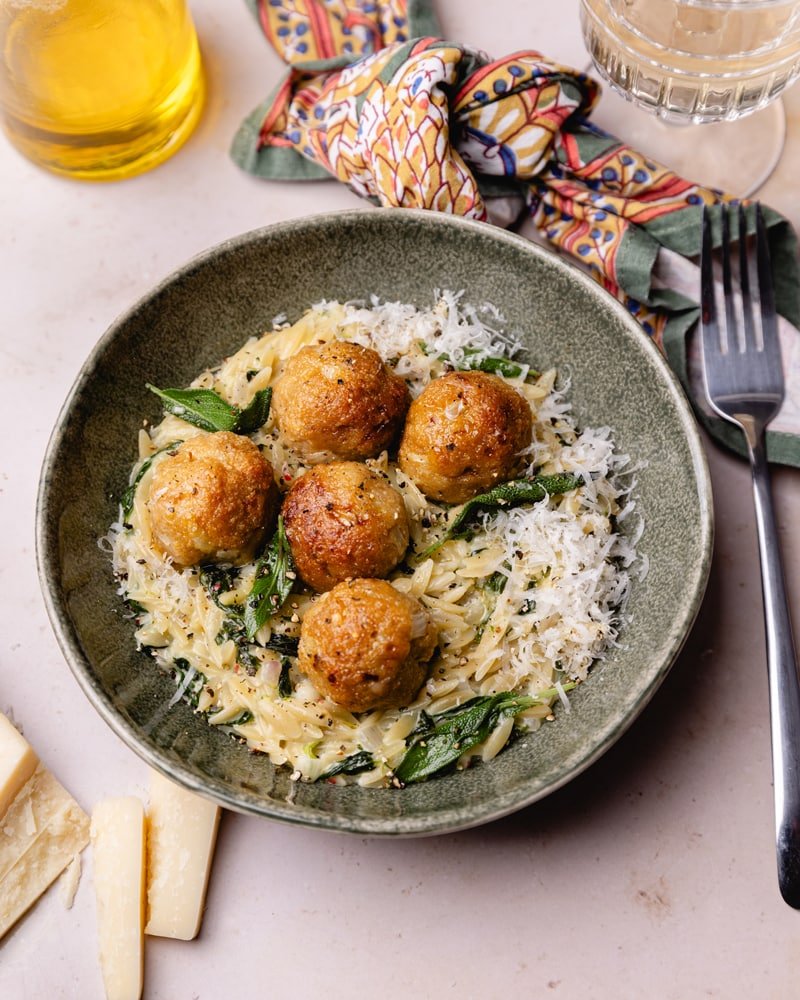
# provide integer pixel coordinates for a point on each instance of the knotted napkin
(375, 99)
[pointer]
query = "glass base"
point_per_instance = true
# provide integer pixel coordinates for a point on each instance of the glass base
(734, 156)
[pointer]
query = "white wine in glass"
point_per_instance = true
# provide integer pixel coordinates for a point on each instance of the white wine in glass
(701, 61)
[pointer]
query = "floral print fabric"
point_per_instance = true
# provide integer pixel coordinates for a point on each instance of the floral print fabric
(411, 121)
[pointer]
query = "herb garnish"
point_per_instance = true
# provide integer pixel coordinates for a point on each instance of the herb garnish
(191, 682)
(476, 359)
(274, 577)
(285, 681)
(219, 580)
(285, 644)
(510, 494)
(357, 762)
(438, 744)
(241, 719)
(207, 410)
(496, 583)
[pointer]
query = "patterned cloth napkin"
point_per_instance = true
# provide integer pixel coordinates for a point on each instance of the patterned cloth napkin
(375, 99)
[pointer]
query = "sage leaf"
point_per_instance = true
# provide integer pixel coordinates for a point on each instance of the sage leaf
(273, 582)
(129, 494)
(496, 583)
(190, 682)
(510, 494)
(284, 681)
(203, 408)
(219, 580)
(255, 414)
(433, 750)
(476, 360)
(357, 762)
(456, 732)
(243, 719)
(207, 410)
(286, 645)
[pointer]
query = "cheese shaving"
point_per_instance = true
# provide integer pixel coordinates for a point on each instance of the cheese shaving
(529, 602)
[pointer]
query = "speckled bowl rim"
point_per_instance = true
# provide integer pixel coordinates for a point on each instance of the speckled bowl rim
(444, 821)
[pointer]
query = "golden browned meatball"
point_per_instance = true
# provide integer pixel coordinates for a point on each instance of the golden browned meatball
(339, 398)
(364, 645)
(463, 434)
(343, 520)
(214, 500)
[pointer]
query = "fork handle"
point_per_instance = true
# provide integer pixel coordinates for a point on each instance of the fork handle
(784, 684)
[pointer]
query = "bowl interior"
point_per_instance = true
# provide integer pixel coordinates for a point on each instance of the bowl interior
(207, 310)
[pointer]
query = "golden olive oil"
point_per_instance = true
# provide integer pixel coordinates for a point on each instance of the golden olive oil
(99, 89)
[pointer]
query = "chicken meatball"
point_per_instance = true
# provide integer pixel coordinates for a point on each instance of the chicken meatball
(339, 398)
(213, 500)
(343, 521)
(464, 434)
(365, 645)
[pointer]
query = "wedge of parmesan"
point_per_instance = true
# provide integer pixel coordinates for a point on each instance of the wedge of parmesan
(42, 831)
(17, 762)
(181, 833)
(118, 851)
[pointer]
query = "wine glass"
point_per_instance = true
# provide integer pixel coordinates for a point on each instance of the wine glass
(722, 63)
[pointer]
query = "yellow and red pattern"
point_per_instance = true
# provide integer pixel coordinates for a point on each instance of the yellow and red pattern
(306, 30)
(394, 144)
(424, 123)
(511, 110)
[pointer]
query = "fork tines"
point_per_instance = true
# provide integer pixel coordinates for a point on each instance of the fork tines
(741, 349)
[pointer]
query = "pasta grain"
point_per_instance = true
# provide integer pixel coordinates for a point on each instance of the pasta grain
(526, 603)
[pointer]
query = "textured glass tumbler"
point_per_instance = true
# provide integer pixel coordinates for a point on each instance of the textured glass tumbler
(719, 63)
(99, 89)
(695, 60)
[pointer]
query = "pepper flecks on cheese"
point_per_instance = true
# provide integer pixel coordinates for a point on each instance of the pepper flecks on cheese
(523, 602)
(181, 833)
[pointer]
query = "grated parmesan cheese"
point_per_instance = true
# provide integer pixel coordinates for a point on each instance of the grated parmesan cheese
(529, 603)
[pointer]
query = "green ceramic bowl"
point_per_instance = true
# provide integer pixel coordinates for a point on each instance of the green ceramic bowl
(205, 311)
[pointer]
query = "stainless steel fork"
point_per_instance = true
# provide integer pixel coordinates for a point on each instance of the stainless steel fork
(744, 383)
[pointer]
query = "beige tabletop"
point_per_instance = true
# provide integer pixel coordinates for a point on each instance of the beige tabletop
(651, 875)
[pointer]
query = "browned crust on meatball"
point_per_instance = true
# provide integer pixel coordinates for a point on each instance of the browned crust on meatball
(339, 398)
(214, 500)
(364, 645)
(343, 521)
(463, 434)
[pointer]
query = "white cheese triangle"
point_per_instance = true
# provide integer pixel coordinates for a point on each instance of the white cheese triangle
(182, 830)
